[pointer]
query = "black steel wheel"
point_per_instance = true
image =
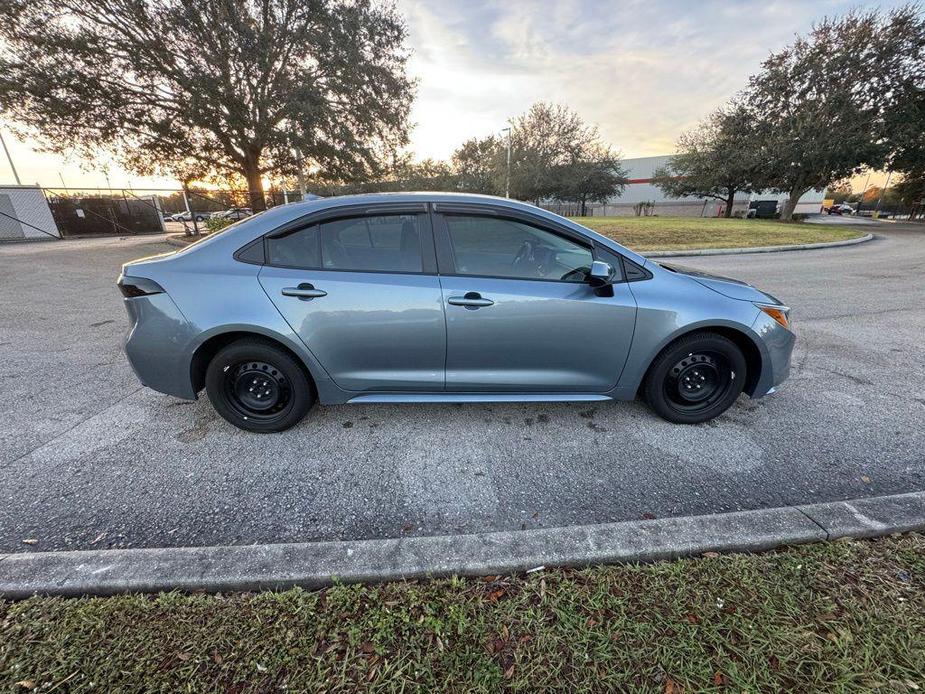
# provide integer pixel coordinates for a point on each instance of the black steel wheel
(258, 386)
(696, 378)
(257, 390)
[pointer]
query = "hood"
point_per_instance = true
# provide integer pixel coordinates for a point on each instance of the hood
(732, 288)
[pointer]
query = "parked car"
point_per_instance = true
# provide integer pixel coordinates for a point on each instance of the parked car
(440, 297)
(188, 216)
(842, 208)
(234, 213)
(763, 209)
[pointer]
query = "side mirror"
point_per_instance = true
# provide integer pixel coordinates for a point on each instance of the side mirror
(602, 274)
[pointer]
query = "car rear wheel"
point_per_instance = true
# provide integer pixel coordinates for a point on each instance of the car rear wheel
(258, 387)
(695, 378)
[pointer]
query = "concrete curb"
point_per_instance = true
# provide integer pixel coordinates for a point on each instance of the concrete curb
(30, 239)
(759, 249)
(314, 565)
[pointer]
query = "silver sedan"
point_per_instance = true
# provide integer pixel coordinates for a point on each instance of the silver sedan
(440, 297)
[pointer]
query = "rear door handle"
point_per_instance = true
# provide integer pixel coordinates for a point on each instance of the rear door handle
(304, 291)
(470, 300)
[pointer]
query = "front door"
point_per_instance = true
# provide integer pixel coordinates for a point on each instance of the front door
(362, 293)
(520, 314)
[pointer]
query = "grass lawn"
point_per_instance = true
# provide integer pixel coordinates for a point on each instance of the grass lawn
(681, 233)
(833, 617)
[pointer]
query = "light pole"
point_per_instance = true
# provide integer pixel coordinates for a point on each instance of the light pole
(10, 159)
(886, 185)
(866, 183)
(507, 177)
(298, 154)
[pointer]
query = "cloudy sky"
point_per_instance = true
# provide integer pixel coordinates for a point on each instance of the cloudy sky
(642, 70)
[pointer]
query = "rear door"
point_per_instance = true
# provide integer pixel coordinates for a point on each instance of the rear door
(361, 291)
(520, 314)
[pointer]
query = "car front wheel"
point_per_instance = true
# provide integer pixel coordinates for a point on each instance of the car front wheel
(695, 378)
(258, 386)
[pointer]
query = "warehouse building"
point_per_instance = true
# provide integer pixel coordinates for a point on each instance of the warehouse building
(642, 198)
(24, 214)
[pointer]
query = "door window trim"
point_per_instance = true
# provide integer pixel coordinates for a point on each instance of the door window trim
(425, 228)
(432, 243)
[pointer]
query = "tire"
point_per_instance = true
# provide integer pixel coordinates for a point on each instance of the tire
(258, 386)
(695, 378)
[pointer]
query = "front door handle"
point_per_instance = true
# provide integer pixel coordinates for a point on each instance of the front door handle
(470, 300)
(304, 291)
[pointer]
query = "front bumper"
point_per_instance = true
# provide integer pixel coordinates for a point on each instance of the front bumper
(777, 349)
(158, 344)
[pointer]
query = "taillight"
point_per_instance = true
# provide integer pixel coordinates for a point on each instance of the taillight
(132, 287)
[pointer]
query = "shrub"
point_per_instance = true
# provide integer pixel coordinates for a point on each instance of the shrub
(214, 224)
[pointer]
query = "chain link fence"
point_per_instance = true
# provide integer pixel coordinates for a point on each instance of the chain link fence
(125, 211)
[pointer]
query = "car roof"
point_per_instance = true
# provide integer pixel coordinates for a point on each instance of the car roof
(408, 196)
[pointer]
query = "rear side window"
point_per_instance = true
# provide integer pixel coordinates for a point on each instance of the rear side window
(506, 248)
(301, 249)
(382, 243)
(387, 243)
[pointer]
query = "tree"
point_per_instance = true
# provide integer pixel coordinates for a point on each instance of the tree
(906, 138)
(236, 87)
(910, 191)
(872, 194)
(428, 174)
(821, 104)
(906, 127)
(714, 160)
(841, 191)
(478, 164)
(596, 177)
(545, 140)
(403, 174)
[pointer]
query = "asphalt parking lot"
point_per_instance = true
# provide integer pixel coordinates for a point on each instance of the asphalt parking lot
(89, 459)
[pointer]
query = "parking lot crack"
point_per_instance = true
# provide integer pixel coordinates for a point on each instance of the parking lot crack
(71, 428)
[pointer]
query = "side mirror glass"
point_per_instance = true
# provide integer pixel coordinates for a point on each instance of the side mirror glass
(601, 275)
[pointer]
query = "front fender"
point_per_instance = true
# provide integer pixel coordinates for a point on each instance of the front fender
(671, 306)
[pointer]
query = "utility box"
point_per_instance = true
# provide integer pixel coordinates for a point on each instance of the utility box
(24, 214)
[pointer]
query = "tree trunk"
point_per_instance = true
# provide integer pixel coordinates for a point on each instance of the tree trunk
(786, 214)
(254, 183)
(583, 207)
(730, 201)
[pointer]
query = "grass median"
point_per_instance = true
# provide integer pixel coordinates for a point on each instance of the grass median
(842, 616)
(686, 233)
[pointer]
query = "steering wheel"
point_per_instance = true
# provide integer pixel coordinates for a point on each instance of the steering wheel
(579, 274)
(525, 252)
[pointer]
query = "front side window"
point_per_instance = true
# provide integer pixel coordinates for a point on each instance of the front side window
(384, 243)
(495, 247)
